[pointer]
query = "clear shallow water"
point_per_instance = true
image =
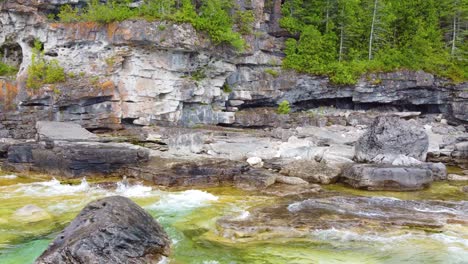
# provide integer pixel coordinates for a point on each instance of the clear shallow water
(189, 216)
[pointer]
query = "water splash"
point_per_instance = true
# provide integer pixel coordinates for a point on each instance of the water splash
(10, 176)
(52, 188)
(183, 201)
(137, 190)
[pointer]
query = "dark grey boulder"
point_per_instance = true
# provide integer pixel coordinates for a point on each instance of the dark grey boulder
(390, 136)
(387, 177)
(77, 159)
(110, 230)
(21, 153)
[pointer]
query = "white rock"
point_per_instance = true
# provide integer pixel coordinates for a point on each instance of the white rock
(291, 180)
(456, 177)
(255, 162)
(403, 160)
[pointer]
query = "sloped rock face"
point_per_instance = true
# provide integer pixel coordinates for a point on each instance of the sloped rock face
(389, 137)
(110, 230)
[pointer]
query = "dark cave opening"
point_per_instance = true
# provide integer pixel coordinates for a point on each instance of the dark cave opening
(11, 54)
(347, 103)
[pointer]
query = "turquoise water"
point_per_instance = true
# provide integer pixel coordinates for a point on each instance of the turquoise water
(189, 216)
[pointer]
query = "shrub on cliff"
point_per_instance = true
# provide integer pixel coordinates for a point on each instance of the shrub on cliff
(41, 71)
(283, 108)
(212, 16)
(6, 70)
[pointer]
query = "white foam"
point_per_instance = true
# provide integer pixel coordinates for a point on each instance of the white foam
(346, 236)
(52, 187)
(185, 200)
(447, 239)
(242, 216)
(428, 210)
(210, 262)
(137, 190)
(11, 176)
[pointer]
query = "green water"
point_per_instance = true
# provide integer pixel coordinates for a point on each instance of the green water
(189, 216)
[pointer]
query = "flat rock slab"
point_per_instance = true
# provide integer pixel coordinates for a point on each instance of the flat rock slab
(387, 177)
(62, 131)
(110, 230)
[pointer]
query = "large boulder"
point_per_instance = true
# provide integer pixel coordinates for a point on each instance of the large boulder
(387, 177)
(390, 136)
(312, 171)
(77, 159)
(110, 230)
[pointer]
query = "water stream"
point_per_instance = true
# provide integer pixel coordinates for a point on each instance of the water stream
(189, 216)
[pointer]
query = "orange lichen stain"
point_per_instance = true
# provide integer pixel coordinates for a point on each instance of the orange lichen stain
(108, 86)
(8, 93)
(1, 89)
(111, 29)
(78, 30)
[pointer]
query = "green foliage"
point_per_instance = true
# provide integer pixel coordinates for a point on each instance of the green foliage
(227, 88)
(198, 75)
(41, 71)
(244, 21)
(7, 70)
(283, 108)
(272, 72)
(344, 39)
(111, 11)
(215, 20)
(212, 16)
(69, 14)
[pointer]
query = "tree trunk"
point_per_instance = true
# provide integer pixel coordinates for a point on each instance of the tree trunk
(371, 37)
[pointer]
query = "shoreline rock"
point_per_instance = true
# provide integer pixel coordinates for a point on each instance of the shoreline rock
(110, 230)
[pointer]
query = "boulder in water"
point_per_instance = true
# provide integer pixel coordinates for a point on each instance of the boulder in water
(387, 177)
(388, 137)
(110, 230)
(31, 213)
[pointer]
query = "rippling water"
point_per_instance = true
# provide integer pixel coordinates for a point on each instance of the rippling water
(189, 216)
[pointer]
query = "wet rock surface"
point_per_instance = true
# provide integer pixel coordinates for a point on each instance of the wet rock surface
(328, 211)
(383, 177)
(109, 230)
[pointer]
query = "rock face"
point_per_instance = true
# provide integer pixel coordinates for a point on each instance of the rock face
(389, 137)
(312, 171)
(331, 212)
(110, 230)
(68, 149)
(136, 72)
(384, 177)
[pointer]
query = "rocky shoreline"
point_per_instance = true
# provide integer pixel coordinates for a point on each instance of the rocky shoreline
(390, 154)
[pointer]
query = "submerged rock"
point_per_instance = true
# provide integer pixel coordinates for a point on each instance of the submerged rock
(322, 212)
(387, 177)
(456, 177)
(110, 230)
(31, 213)
(390, 136)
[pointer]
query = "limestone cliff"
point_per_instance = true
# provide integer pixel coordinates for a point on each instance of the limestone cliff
(143, 73)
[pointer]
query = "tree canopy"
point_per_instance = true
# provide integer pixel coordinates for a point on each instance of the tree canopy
(347, 38)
